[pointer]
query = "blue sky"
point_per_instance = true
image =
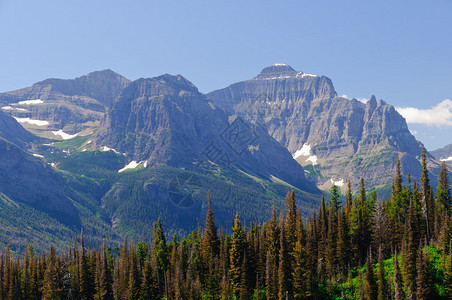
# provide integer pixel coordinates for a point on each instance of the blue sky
(399, 51)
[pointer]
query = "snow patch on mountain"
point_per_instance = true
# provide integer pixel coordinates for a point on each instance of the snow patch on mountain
(64, 135)
(132, 165)
(304, 151)
(337, 183)
(312, 159)
(29, 102)
(31, 121)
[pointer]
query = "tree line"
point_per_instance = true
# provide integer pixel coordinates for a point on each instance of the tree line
(363, 248)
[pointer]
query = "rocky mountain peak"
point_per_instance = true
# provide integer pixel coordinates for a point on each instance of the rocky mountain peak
(348, 139)
(165, 120)
(276, 70)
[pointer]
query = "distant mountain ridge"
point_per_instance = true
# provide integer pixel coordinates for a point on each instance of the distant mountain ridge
(444, 153)
(70, 105)
(346, 139)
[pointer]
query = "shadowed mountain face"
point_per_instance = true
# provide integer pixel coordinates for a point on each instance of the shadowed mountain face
(71, 105)
(13, 132)
(27, 179)
(340, 139)
(165, 120)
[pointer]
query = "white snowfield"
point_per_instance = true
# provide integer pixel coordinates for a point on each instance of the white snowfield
(337, 183)
(64, 135)
(38, 155)
(105, 148)
(306, 151)
(31, 121)
(301, 74)
(312, 159)
(29, 102)
(132, 165)
(446, 159)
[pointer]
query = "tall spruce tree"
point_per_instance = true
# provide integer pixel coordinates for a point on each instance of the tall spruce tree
(237, 252)
(86, 281)
(397, 186)
(210, 242)
(424, 278)
(348, 201)
(370, 289)
(427, 197)
(411, 248)
(443, 197)
(284, 272)
(448, 275)
(382, 283)
(398, 285)
(335, 197)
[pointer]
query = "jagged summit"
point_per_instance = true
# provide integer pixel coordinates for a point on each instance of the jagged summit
(281, 71)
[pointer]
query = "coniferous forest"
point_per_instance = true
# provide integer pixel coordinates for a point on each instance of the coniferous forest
(360, 248)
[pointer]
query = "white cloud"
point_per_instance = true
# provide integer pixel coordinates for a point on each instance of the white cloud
(440, 114)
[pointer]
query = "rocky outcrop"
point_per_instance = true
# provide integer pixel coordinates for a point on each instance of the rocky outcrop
(166, 120)
(340, 139)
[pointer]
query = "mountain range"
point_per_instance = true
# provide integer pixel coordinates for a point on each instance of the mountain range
(111, 155)
(334, 138)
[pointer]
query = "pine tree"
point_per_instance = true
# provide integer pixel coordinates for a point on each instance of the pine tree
(161, 254)
(106, 280)
(331, 243)
(370, 289)
(52, 277)
(284, 272)
(343, 242)
(411, 249)
(382, 283)
(244, 293)
(335, 197)
(210, 242)
(348, 202)
(237, 252)
(361, 227)
(427, 197)
(397, 186)
(86, 281)
(443, 197)
(134, 277)
(149, 285)
(273, 244)
(300, 272)
(424, 277)
(448, 275)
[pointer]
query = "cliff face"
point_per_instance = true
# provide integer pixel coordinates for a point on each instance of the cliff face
(341, 139)
(165, 120)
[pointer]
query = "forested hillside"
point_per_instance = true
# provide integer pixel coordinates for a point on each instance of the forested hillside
(364, 248)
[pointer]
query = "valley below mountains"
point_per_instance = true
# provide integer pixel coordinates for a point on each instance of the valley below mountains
(107, 155)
